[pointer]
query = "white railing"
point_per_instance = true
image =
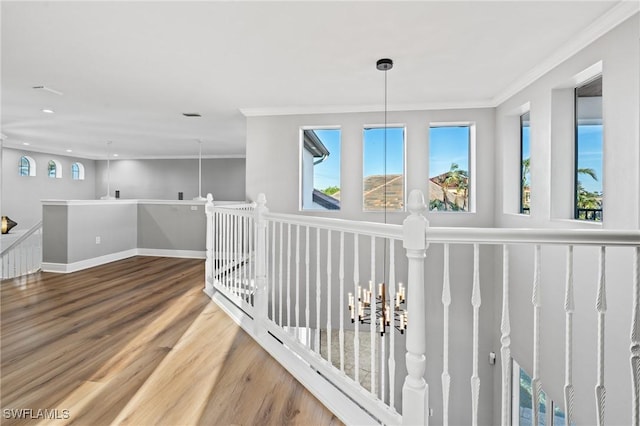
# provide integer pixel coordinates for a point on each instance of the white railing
(24, 255)
(294, 277)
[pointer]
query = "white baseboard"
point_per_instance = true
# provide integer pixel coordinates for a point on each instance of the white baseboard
(190, 254)
(65, 268)
(87, 263)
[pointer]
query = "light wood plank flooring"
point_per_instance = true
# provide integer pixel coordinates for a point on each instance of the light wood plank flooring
(136, 342)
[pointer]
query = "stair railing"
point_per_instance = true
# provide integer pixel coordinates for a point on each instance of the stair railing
(24, 255)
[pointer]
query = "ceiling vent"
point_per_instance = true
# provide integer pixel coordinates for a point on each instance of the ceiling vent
(48, 89)
(191, 114)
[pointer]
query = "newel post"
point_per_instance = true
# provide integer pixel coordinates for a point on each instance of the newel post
(210, 231)
(415, 392)
(260, 301)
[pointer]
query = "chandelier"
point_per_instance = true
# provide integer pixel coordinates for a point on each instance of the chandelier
(370, 307)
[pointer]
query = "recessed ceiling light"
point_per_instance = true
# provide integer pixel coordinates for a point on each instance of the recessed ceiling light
(48, 111)
(191, 114)
(69, 150)
(26, 143)
(115, 155)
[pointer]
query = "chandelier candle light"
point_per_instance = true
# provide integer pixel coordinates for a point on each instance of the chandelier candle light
(370, 307)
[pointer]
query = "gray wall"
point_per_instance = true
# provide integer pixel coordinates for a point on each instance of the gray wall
(115, 224)
(21, 195)
(551, 184)
(273, 167)
(172, 227)
(224, 178)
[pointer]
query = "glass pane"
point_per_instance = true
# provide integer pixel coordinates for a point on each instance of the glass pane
(526, 398)
(75, 172)
(23, 168)
(320, 174)
(383, 169)
(558, 416)
(589, 151)
(525, 164)
(52, 169)
(449, 168)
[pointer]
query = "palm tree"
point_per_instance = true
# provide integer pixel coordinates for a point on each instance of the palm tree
(588, 199)
(526, 169)
(456, 178)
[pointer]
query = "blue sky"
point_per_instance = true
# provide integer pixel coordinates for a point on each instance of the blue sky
(374, 151)
(526, 147)
(448, 145)
(327, 173)
(590, 155)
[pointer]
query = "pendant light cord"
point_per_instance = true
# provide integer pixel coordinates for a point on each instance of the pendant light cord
(384, 259)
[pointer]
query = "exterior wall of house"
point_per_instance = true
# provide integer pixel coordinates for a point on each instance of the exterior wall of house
(21, 195)
(552, 161)
(162, 179)
(273, 167)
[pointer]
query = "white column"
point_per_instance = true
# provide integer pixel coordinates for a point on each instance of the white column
(415, 391)
(601, 308)
(569, 307)
(505, 340)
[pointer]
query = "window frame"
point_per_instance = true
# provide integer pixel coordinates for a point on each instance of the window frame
(31, 166)
(57, 169)
(576, 153)
(301, 171)
(404, 166)
(80, 172)
(522, 195)
(471, 191)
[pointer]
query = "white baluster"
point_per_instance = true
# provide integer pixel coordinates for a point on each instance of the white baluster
(289, 278)
(536, 300)
(372, 325)
(318, 293)
(446, 302)
(601, 307)
(415, 391)
(280, 278)
(307, 278)
(505, 340)
(392, 331)
(476, 301)
(356, 307)
(341, 278)
(329, 285)
(635, 340)
(569, 308)
(297, 279)
(273, 271)
(208, 266)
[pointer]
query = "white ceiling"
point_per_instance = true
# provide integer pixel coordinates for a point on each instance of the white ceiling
(128, 70)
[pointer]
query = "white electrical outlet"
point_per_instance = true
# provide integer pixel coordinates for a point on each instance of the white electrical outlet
(194, 208)
(98, 240)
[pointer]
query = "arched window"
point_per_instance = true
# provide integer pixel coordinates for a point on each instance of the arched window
(27, 166)
(77, 171)
(54, 169)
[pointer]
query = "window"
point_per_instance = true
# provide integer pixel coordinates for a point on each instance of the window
(26, 166)
(383, 169)
(525, 164)
(588, 150)
(449, 179)
(54, 169)
(549, 413)
(77, 171)
(320, 169)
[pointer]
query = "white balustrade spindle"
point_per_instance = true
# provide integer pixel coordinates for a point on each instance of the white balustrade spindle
(601, 308)
(536, 300)
(569, 308)
(635, 339)
(476, 301)
(505, 340)
(446, 302)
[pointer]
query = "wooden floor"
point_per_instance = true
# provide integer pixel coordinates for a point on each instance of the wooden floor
(137, 342)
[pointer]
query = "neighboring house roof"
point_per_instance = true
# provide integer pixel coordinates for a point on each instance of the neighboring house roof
(439, 180)
(376, 188)
(314, 145)
(326, 201)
